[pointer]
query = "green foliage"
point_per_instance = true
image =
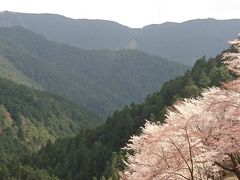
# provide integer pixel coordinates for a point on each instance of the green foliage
(8, 71)
(16, 171)
(34, 134)
(114, 165)
(29, 119)
(5, 119)
(11, 146)
(91, 153)
(190, 89)
(60, 117)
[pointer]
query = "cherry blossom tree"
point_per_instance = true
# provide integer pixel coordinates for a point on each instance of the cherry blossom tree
(199, 139)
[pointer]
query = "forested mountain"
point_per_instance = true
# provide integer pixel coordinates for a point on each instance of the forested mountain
(199, 138)
(187, 41)
(30, 118)
(181, 42)
(87, 34)
(45, 136)
(100, 80)
(8, 71)
(96, 153)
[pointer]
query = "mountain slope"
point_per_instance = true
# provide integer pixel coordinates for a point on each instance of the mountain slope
(181, 42)
(93, 153)
(29, 119)
(50, 110)
(101, 80)
(81, 33)
(184, 42)
(8, 71)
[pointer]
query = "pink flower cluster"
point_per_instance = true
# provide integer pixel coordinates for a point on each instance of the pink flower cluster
(199, 139)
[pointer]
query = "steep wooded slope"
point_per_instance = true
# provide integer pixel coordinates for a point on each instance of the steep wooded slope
(100, 80)
(97, 152)
(30, 118)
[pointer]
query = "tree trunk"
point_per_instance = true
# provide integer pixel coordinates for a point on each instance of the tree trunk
(237, 173)
(236, 165)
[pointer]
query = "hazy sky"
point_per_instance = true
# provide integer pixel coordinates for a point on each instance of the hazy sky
(133, 13)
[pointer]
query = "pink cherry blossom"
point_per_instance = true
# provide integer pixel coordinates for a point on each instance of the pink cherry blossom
(199, 139)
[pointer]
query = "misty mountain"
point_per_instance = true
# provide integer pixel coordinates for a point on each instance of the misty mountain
(180, 42)
(88, 34)
(100, 80)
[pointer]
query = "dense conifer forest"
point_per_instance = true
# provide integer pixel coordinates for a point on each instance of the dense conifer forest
(100, 80)
(96, 153)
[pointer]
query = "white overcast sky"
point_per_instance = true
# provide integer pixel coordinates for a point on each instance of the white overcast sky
(133, 13)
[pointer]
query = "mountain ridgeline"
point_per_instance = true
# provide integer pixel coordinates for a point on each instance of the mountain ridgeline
(97, 154)
(50, 91)
(100, 80)
(169, 40)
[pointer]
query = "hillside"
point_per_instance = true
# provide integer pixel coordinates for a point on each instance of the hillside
(80, 33)
(8, 71)
(100, 80)
(29, 119)
(97, 153)
(181, 42)
(188, 40)
(199, 138)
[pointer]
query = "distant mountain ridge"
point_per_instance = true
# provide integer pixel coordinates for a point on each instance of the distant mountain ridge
(181, 42)
(83, 33)
(100, 80)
